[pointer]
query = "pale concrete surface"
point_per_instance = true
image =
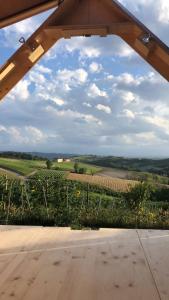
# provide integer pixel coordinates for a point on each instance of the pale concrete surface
(60, 264)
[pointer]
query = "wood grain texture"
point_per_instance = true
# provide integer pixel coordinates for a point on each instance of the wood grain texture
(57, 263)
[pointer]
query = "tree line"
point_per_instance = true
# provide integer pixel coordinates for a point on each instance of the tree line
(20, 155)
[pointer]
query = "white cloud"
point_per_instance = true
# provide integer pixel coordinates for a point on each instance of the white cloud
(35, 134)
(87, 50)
(43, 69)
(128, 97)
(72, 78)
(36, 77)
(94, 47)
(70, 114)
(23, 136)
(95, 67)
(124, 50)
(143, 138)
(128, 79)
(129, 114)
(20, 91)
(110, 77)
(159, 122)
(164, 11)
(58, 101)
(94, 91)
(87, 104)
(48, 97)
(2, 128)
(104, 108)
(90, 52)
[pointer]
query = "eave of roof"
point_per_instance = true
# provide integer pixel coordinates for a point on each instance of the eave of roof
(19, 10)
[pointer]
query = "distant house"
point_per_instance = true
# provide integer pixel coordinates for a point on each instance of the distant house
(60, 160)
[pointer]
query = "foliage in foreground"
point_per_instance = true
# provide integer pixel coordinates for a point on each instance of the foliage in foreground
(55, 201)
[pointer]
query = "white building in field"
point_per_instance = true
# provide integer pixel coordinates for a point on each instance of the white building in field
(60, 160)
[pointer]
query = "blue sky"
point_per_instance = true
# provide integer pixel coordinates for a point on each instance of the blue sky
(89, 95)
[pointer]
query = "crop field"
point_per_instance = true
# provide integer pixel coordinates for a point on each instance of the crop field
(49, 174)
(114, 184)
(55, 198)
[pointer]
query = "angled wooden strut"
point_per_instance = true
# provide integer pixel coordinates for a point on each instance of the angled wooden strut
(85, 18)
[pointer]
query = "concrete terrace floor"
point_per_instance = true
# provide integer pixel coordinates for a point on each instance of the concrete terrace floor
(60, 264)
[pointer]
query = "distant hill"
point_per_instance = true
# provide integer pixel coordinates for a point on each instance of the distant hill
(53, 155)
(20, 155)
(34, 155)
(158, 166)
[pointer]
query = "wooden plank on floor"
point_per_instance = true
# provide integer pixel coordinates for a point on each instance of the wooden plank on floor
(156, 246)
(60, 264)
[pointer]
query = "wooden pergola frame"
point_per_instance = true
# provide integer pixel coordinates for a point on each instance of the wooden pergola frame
(79, 18)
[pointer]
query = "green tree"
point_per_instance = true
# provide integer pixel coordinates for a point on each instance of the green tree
(49, 164)
(76, 167)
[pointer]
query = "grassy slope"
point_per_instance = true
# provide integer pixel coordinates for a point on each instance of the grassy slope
(23, 167)
(69, 166)
(7, 173)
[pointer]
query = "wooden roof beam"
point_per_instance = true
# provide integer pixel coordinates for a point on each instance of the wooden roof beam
(27, 13)
(117, 28)
(85, 18)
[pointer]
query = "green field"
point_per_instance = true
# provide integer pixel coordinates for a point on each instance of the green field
(23, 167)
(69, 166)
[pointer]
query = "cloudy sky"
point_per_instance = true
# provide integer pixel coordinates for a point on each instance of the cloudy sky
(89, 95)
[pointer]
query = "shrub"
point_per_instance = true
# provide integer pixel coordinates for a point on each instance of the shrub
(82, 171)
(138, 195)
